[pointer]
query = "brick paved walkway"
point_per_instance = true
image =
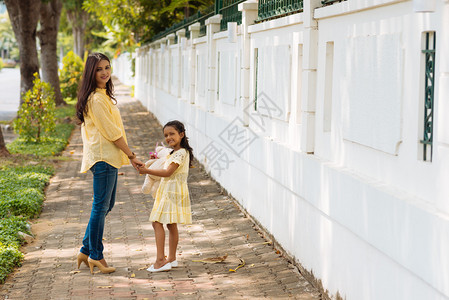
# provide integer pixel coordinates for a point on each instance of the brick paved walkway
(219, 228)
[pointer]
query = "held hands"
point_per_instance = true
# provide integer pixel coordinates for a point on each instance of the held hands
(143, 170)
(137, 163)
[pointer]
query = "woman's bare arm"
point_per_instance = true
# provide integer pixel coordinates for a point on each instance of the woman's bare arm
(122, 145)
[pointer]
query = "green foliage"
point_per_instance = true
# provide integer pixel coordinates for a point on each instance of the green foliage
(10, 242)
(1, 63)
(36, 115)
(54, 142)
(22, 190)
(52, 145)
(9, 258)
(22, 187)
(10, 227)
(22, 184)
(70, 75)
(71, 101)
(21, 196)
(67, 111)
(129, 23)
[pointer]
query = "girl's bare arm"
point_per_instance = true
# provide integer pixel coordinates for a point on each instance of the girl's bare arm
(160, 172)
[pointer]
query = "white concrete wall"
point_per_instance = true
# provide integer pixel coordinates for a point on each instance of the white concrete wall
(330, 163)
(121, 67)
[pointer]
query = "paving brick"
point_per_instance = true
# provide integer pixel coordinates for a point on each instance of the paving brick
(219, 228)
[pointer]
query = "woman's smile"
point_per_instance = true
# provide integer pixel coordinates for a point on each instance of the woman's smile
(103, 73)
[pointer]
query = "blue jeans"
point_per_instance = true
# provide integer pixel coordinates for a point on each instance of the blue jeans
(105, 185)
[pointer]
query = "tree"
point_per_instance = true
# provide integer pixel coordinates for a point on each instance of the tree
(24, 20)
(3, 151)
(130, 22)
(50, 13)
(78, 19)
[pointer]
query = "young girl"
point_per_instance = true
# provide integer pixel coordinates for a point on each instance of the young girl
(172, 202)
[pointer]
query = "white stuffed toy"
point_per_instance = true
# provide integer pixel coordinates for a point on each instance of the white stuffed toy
(151, 182)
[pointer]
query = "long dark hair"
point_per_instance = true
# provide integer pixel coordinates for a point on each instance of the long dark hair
(89, 84)
(179, 127)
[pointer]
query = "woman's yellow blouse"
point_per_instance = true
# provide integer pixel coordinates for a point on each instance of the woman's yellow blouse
(102, 126)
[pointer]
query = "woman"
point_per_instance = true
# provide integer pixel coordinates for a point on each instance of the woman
(105, 149)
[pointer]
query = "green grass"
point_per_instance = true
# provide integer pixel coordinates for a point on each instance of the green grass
(23, 178)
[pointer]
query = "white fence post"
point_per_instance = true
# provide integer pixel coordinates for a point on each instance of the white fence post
(213, 25)
(249, 15)
(194, 33)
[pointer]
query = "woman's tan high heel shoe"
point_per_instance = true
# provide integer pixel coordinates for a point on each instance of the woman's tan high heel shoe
(82, 258)
(96, 263)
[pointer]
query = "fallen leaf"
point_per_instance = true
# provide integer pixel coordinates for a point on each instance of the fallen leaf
(120, 173)
(133, 275)
(104, 287)
(242, 263)
(75, 272)
(162, 289)
(212, 260)
(143, 268)
(117, 238)
(81, 211)
(266, 243)
(72, 152)
(137, 249)
(191, 293)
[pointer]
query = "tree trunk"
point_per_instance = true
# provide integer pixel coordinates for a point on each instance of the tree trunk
(3, 151)
(24, 19)
(78, 18)
(48, 35)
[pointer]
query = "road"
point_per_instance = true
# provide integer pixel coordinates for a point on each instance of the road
(10, 93)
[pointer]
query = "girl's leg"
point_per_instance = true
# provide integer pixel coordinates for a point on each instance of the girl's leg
(173, 239)
(159, 234)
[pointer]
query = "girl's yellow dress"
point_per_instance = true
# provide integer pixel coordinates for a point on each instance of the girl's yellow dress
(172, 201)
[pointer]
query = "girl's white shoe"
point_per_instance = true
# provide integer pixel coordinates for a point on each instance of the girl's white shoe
(166, 267)
(174, 264)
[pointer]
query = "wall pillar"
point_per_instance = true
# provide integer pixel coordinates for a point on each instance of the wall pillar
(161, 74)
(213, 26)
(309, 77)
(194, 33)
(137, 75)
(249, 15)
(181, 41)
(170, 42)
